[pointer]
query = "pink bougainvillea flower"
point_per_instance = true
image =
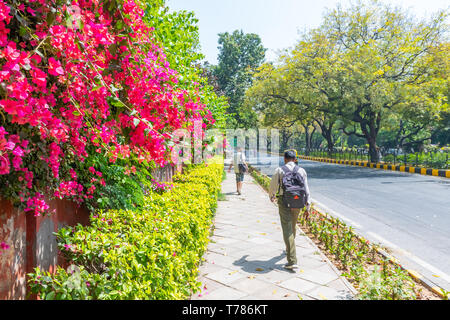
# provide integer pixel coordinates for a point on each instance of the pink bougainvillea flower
(39, 77)
(31, 11)
(4, 165)
(54, 67)
(37, 204)
(10, 145)
(3, 131)
(70, 116)
(4, 246)
(18, 152)
(17, 162)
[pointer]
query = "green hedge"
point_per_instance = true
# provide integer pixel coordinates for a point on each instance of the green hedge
(153, 253)
(262, 179)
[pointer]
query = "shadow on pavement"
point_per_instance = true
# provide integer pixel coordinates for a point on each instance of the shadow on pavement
(251, 266)
(231, 193)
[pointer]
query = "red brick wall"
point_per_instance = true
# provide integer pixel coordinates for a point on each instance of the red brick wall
(31, 240)
(12, 261)
(32, 243)
(166, 173)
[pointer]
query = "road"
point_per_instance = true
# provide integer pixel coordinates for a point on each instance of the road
(407, 213)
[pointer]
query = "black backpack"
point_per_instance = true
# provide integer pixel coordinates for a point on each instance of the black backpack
(294, 192)
(242, 168)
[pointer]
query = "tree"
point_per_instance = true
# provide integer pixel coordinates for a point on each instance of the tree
(365, 70)
(240, 55)
(301, 88)
(385, 60)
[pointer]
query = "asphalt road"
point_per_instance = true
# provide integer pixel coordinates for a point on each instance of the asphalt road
(407, 213)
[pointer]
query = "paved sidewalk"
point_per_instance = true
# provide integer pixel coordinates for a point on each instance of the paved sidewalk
(245, 257)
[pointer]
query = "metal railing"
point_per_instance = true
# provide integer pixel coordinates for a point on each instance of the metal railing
(432, 159)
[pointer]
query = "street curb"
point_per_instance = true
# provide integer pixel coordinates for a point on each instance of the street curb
(399, 168)
(418, 277)
(414, 274)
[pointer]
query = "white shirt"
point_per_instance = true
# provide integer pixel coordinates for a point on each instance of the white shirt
(275, 183)
(239, 158)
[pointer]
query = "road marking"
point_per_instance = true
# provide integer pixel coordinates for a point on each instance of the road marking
(414, 258)
(334, 213)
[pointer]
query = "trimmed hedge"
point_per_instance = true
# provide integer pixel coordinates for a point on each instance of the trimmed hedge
(153, 253)
(262, 179)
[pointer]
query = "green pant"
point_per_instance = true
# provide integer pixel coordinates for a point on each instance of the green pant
(288, 218)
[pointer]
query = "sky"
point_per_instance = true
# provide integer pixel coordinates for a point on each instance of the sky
(277, 22)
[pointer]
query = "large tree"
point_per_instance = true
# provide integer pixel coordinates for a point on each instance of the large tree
(367, 69)
(386, 65)
(301, 88)
(240, 55)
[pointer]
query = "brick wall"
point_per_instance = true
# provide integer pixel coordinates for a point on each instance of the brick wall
(31, 240)
(32, 243)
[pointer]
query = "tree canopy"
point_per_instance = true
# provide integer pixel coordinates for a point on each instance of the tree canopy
(240, 55)
(366, 68)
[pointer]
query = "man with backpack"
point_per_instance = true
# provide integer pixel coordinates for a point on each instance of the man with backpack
(240, 168)
(289, 186)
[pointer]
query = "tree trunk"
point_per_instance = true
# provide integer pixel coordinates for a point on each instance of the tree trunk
(311, 138)
(370, 128)
(307, 140)
(373, 150)
(330, 143)
(327, 132)
(285, 136)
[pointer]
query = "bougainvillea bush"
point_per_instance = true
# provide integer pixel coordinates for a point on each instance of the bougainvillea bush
(152, 253)
(82, 79)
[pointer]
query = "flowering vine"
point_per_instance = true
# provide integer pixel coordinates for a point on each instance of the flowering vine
(81, 79)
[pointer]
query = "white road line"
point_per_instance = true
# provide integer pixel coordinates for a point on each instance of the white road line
(412, 257)
(334, 213)
(416, 259)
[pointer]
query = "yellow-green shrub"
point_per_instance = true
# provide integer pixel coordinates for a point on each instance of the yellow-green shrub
(152, 253)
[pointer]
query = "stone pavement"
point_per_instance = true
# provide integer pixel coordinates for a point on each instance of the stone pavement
(246, 254)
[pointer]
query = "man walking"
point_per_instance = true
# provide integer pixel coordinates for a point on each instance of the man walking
(289, 186)
(240, 168)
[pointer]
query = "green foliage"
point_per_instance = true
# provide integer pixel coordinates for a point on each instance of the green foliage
(153, 253)
(436, 160)
(263, 180)
(178, 33)
(239, 56)
(380, 286)
(357, 256)
(123, 189)
(366, 68)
